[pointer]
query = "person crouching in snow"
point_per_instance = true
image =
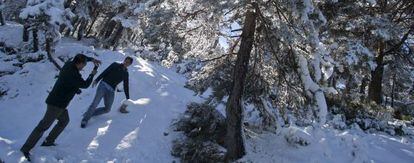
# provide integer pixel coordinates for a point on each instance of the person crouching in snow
(65, 88)
(111, 77)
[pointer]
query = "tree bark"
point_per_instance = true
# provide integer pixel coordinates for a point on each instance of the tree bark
(109, 29)
(393, 90)
(116, 36)
(89, 30)
(35, 40)
(2, 22)
(375, 86)
(234, 139)
(362, 88)
(25, 32)
(81, 29)
(49, 53)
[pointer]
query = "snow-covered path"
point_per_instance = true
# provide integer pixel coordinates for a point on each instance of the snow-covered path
(140, 136)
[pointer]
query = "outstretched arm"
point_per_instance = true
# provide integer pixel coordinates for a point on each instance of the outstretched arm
(86, 83)
(103, 74)
(95, 61)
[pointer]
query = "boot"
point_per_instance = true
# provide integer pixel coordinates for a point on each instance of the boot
(84, 123)
(123, 110)
(26, 155)
(48, 144)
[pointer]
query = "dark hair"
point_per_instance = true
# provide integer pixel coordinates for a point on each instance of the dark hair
(129, 58)
(79, 58)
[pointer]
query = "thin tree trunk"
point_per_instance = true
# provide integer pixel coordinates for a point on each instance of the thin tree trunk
(49, 53)
(234, 139)
(109, 29)
(81, 29)
(392, 90)
(362, 88)
(90, 27)
(2, 22)
(76, 29)
(35, 40)
(25, 32)
(117, 35)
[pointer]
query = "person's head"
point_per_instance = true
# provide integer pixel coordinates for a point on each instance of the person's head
(80, 61)
(127, 61)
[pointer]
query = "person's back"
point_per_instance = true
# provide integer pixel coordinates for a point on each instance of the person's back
(65, 88)
(115, 75)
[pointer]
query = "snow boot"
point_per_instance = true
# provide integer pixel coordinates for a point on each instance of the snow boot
(122, 109)
(26, 155)
(48, 144)
(84, 123)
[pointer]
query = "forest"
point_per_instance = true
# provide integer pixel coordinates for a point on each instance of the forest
(262, 75)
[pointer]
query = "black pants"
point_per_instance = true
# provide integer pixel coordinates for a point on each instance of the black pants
(52, 113)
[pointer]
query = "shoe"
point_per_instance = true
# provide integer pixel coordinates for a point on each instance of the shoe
(123, 110)
(48, 144)
(26, 155)
(84, 123)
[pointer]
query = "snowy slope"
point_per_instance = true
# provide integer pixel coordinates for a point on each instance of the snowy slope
(134, 137)
(329, 145)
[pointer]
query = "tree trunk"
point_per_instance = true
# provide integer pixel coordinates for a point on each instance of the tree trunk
(234, 139)
(82, 27)
(89, 30)
(2, 22)
(116, 36)
(25, 32)
(35, 40)
(67, 3)
(362, 88)
(393, 90)
(76, 27)
(109, 29)
(375, 86)
(49, 53)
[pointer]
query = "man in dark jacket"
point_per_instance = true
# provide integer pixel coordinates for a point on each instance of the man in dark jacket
(65, 88)
(111, 77)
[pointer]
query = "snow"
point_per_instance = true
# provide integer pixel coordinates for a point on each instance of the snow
(313, 89)
(328, 145)
(157, 97)
(11, 29)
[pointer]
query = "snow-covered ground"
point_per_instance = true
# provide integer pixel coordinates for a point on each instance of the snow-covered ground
(143, 135)
(329, 145)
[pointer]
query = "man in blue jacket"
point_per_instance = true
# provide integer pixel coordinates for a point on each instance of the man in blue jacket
(111, 77)
(65, 88)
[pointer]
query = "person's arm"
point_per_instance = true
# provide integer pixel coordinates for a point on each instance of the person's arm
(95, 61)
(85, 83)
(103, 74)
(126, 85)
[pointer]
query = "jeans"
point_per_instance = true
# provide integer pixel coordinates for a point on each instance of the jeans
(52, 113)
(106, 92)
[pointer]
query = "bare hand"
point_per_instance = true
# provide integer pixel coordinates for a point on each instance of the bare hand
(94, 72)
(94, 83)
(96, 62)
